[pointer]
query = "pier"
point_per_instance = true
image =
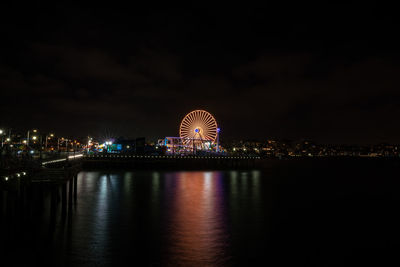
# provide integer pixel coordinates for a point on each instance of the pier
(23, 193)
(169, 161)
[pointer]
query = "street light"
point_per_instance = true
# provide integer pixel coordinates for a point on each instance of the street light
(47, 138)
(28, 133)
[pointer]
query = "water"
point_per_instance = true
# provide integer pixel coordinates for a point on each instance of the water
(297, 214)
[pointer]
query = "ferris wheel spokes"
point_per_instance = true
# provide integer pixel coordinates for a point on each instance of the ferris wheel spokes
(197, 128)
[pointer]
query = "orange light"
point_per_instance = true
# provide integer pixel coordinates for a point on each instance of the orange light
(199, 124)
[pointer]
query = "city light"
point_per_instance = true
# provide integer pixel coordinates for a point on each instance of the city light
(24, 141)
(8, 139)
(34, 137)
(1, 131)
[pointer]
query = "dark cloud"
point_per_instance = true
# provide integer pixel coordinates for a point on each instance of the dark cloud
(261, 73)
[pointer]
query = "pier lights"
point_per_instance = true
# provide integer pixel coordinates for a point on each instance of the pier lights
(27, 136)
(108, 144)
(58, 143)
(48, 137)
(89, 143)
(218, 131)
(1, 133)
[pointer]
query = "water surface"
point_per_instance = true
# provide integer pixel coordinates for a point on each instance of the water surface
(303, 216)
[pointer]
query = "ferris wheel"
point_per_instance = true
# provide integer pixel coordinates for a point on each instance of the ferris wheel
(199, 124)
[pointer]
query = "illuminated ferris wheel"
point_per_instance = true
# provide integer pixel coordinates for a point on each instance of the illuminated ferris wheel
(199, 125)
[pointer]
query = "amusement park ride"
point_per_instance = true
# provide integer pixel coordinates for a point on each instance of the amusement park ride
(198, 132)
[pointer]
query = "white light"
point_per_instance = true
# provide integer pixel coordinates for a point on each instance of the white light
(34, 137)
(24, 173)
(76, 156)
(6, 178)
(53, 161)
(1, 131)
(8, 139)
(32, 151)
(18, 175)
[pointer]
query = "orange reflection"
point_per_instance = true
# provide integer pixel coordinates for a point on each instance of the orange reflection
(198, 234)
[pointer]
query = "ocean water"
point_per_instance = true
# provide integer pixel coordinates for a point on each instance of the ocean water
(330, 213)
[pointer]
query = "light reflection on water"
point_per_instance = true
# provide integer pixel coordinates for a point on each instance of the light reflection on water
(242, 218)
(197, 221)
(161, 218)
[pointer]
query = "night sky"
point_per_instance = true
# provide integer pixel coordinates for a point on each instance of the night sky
(329, 74)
